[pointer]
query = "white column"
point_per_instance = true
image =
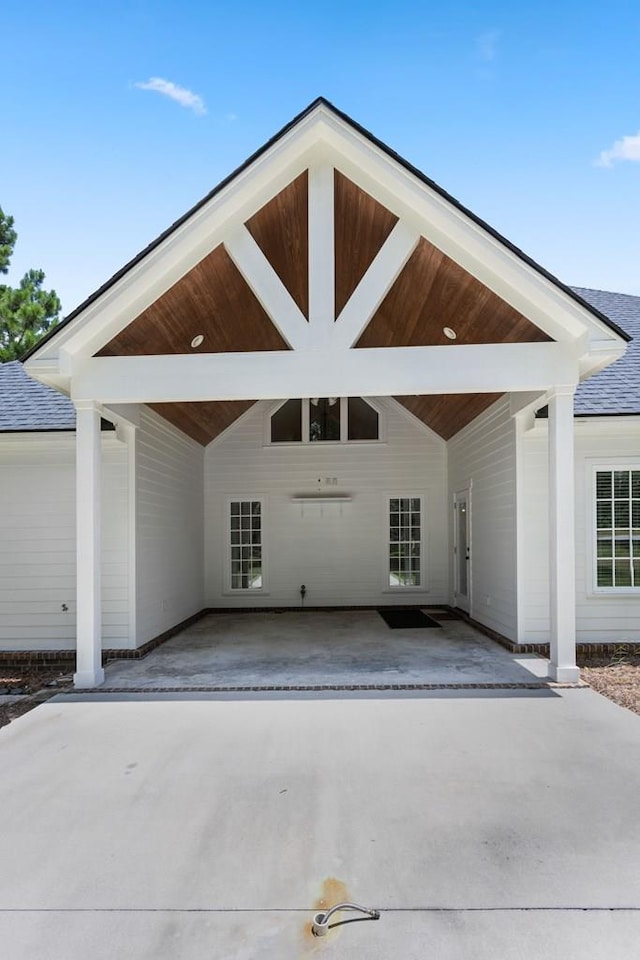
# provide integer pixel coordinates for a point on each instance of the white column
(89, 672)
(562, 577)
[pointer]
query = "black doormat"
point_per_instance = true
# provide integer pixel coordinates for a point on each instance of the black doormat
(404, 618)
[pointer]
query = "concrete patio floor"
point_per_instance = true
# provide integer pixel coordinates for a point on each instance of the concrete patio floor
(484, 824)
(310, 648)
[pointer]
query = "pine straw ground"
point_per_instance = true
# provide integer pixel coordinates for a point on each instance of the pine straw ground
(617, 678)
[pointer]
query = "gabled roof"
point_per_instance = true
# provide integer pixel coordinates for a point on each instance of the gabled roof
(616, 389)
(380, 145)
(27, 405)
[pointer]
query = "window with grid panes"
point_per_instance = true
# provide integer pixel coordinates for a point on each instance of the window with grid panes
(245, 531)
(405, 541)
(618, 528)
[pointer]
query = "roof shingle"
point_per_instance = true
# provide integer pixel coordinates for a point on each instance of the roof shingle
(26, 404)
(616, 389)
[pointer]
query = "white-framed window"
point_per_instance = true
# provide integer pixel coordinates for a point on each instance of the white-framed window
(324, 420)
(616, 517)
(405, 566)
(245, 544)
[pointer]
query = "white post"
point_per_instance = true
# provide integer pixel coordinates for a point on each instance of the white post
(562, 585)
(89, 672)
(321, 252)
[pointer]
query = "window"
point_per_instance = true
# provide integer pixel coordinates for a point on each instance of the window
(286, 423)
(362, 420)
(245, 536)
(335, 419)
(617, 531)
(405, 541)
(324, 418)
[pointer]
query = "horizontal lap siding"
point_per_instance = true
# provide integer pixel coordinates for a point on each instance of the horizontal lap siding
(37, 543)
(169, 536)
(484, 454)
(600, 618)
(337, 550)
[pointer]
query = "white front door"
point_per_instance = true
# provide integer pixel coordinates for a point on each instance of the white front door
(462, 549)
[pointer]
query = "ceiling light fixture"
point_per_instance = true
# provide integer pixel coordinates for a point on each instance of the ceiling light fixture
(448, 332)
(197, 341)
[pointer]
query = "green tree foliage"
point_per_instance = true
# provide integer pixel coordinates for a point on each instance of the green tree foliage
(27, 311)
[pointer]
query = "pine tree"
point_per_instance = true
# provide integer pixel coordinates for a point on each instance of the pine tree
(27, 311)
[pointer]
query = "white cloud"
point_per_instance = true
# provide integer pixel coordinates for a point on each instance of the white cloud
(186, 98)
(487, 44)
(628, 148)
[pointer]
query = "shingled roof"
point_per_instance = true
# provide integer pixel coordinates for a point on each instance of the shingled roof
(616, 389)
(26, 405)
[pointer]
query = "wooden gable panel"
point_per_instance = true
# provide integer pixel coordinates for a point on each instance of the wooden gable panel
(361, 227)
(281, 230)
(202, 421)
(433, 292)
(214, 300)
(448, 413)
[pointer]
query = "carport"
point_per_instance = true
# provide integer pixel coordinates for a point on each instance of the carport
(316, 649)
(324, 273)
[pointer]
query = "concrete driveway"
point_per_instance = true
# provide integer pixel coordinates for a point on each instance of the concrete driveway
(483, 824)
(315, 648)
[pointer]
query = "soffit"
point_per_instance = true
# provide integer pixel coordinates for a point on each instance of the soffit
(361, 227)
(446, 414)
(281, 230)
(203, 422)
(431, 292)
(214, 300)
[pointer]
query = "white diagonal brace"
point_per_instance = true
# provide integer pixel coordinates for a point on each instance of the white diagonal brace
(268, 287)
(325, 372)
(321, 250)
(374, 286)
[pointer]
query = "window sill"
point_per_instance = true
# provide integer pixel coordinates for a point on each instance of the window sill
(258, 592)
(613, 593)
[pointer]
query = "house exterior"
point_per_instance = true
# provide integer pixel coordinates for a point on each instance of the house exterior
(327, 384)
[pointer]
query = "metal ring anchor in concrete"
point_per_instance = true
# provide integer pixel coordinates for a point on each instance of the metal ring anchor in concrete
(320, 925)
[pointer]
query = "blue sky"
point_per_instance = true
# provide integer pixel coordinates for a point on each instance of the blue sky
(117, 117)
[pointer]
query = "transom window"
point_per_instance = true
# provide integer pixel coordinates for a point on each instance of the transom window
(322, 419)
(617, 528)
(245, 535)
(405, 541)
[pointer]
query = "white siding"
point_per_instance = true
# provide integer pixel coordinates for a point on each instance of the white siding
(337, 550)
(484, 456)
(37, 542)
(600, 617)
(169, 526)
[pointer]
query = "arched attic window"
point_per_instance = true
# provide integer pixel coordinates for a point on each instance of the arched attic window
(324, 419)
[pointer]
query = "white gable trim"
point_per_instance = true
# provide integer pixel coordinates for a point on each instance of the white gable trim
(319, 140)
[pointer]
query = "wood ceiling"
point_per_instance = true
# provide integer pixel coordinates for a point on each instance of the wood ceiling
(361, 227)
(430, 293)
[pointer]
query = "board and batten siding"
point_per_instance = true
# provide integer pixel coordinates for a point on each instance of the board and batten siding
(38, 543)
(483, 457)
(169, 526)
(600, 616)
(337, 550)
